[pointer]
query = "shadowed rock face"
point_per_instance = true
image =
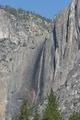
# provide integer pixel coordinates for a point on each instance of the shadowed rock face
(67, 55)
(35, 57)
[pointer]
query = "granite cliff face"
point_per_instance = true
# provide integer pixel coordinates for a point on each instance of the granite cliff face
(37, 55)
(24, 53)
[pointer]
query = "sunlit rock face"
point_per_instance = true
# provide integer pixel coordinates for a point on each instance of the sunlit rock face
(37, 55)
(25, 59)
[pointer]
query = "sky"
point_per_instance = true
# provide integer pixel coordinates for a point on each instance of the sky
(46, 8)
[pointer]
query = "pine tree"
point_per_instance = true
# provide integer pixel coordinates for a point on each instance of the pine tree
(24, 113)
(52, 112)
(36, 116)
(75, 116)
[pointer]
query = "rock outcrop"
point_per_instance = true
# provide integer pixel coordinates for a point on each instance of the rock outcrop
(37, 55)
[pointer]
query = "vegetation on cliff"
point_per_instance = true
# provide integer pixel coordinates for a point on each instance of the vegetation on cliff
(18, 12)
(24, 112)
(36, 116)
(51, 112)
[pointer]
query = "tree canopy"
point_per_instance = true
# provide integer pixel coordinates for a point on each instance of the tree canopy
(52, 112)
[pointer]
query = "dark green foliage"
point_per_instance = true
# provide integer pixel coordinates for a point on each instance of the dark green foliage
(52, 112)
(10, 10)
(24, 112)
(22, 13)
(41, 17)
(36, 116)
(75, 116)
